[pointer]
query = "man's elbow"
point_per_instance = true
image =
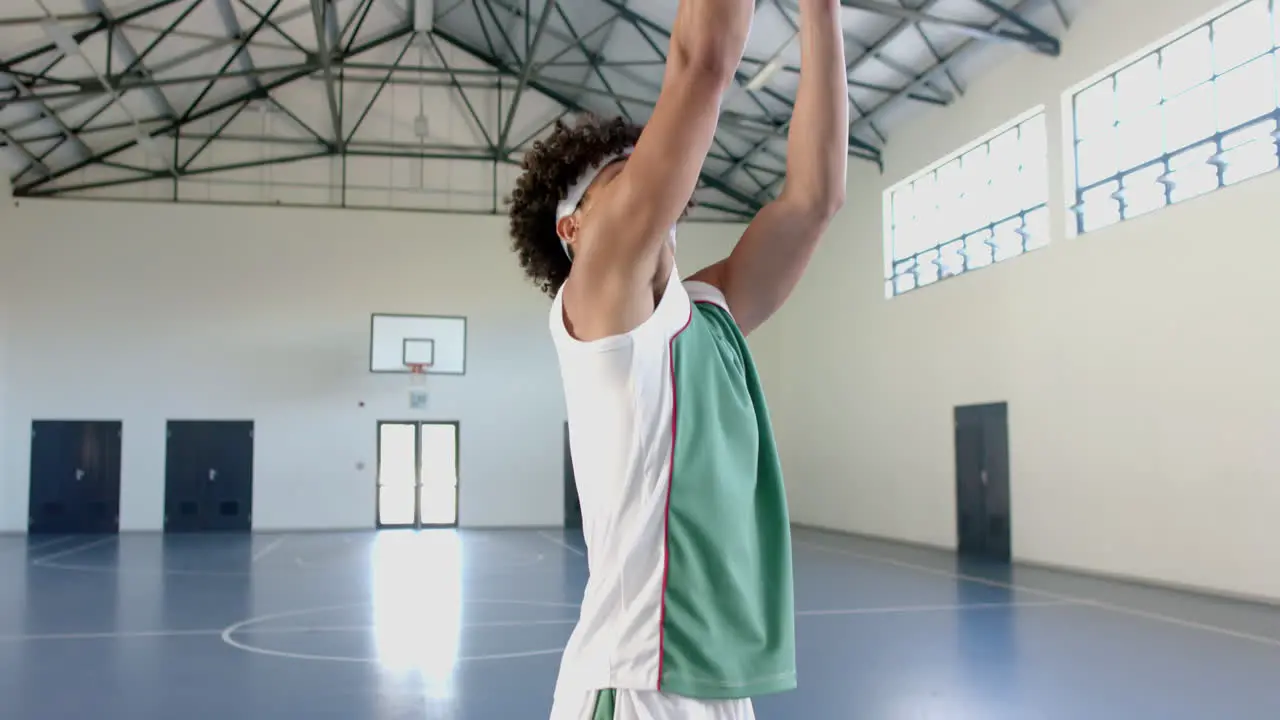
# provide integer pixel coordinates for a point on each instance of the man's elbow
(828, 203)
(705, 64)
(819, 204)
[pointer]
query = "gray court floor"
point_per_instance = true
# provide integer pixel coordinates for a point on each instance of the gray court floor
(470, 625)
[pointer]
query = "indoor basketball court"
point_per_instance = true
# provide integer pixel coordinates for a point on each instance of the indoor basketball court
(283, 431)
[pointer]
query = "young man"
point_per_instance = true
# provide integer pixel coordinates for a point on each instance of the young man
(688, 611)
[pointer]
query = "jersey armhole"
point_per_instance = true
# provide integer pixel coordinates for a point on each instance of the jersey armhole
(671, 314)
(702, 292)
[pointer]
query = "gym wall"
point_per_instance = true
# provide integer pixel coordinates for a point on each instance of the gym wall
(1139, 361)
(147, 312)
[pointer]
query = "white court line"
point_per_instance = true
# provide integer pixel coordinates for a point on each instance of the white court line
(1085, 602)
(246, 629)
(107, 635)
(76, 549)
(47, 543)
(301, 630)
(551, 538)
(930, 608)
(307, 630)
(228, 634)
(267, 550)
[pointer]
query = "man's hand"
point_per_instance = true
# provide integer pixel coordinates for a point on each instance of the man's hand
(773, 253)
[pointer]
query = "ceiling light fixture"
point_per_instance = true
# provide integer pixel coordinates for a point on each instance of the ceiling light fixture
(771, 66)
(423, 15)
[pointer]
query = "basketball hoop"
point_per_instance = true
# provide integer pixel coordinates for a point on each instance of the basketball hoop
(418, 384)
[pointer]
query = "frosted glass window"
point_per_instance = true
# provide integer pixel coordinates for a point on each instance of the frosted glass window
(1195, 115)
(970, 211)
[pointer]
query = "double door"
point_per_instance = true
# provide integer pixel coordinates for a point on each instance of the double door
(982, 482)
(75, 476)
(417, 474)
(209, 476)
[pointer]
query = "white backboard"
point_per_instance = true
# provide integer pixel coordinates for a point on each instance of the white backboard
(397, 339)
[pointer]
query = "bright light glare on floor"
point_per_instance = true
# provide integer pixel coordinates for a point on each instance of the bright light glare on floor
(417, 606)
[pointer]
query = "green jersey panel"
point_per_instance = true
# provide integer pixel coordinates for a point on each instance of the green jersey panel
(728, 621)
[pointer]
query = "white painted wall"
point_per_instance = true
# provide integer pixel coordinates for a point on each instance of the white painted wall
(6, 212)
(1139, 362)
(147, 312)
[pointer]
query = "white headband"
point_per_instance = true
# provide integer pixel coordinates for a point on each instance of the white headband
(573, 197)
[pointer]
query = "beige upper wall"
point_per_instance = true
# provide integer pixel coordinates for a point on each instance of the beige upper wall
(1138, 361)
(146, 312)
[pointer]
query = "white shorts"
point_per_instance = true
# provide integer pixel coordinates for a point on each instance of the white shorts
(647, 705)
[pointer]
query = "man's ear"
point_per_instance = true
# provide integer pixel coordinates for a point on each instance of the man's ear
(567, 229)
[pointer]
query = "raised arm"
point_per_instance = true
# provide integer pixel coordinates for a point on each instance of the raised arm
(773, 253)
(622, 233)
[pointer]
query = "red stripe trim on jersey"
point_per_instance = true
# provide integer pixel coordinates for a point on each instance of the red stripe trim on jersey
(666, 521)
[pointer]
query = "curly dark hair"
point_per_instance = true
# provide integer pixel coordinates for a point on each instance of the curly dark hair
(549, 169)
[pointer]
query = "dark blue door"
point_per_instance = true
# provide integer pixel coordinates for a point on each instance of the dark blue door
(982, 482)
(209, 476)
(75, 476)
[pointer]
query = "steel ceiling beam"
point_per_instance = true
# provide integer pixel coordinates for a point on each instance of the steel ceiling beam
(271, 23)
(526, 71)
(32, 160)
(78, 50)
(354, 20)
(124, 82)
(38, 20)
(595, 69)
(876, 52)
(466, 99)
(960, 51)
(1034, 31)
(709, 180)
(554, 60)
(321, 16)
(795, 27)
(91, 87)
(1037, 42)
(502, 32)
(101, 26)
(216, 134)
(67, 133)
(79, 37)
(138, 60)
(937, 57)
(355, 127)
(46, 137)
(858, 84)
(521, 65)
(245, 38)
(542, 128)
(135, 58)
(256, 93)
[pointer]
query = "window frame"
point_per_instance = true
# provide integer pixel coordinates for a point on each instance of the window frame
(1075, 191)
(1038, 113)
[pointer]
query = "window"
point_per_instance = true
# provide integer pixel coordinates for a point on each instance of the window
(1200, 113)
(984, 205)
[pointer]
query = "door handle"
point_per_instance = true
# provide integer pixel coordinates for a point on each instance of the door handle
(213, 474)
(79, 475)
(984, 477)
